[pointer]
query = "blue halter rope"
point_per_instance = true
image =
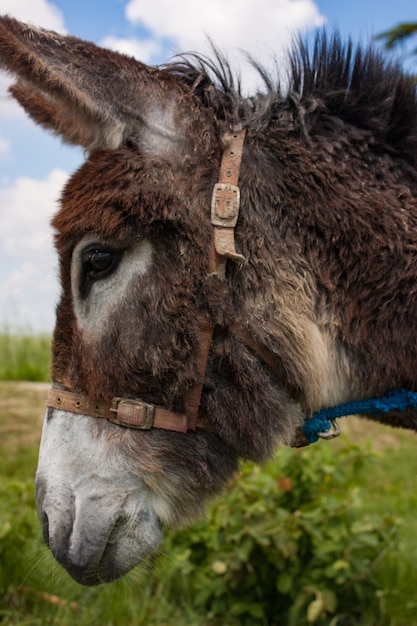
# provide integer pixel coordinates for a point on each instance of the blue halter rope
(321, 421)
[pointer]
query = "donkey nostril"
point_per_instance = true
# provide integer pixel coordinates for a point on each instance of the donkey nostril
(45, 528)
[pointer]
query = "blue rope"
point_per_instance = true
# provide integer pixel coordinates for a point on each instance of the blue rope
(397, 400)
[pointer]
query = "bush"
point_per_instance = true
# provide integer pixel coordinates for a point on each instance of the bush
(286, 544)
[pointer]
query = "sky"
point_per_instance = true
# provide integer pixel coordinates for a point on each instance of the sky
(34, 165)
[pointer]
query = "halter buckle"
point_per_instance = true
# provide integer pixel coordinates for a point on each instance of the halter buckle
(225, 205)
(133, 413)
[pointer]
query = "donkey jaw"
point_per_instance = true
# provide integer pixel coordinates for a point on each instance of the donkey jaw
(96, 516)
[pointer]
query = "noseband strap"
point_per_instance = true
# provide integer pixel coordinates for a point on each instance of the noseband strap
(131, 413)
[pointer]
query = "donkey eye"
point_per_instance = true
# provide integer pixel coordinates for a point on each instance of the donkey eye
(97, 263)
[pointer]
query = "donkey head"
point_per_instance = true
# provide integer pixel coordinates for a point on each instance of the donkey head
(133, 237)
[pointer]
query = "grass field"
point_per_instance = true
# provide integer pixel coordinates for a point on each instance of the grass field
(24, 355)
(34, 590)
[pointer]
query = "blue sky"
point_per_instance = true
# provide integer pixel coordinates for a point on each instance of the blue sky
(34, 165)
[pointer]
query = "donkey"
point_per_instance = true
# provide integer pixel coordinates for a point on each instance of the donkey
(229, 267)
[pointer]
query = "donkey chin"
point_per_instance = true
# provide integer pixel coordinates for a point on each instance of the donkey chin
(98, 518)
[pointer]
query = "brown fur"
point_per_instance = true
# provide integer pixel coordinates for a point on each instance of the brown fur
(328, 227)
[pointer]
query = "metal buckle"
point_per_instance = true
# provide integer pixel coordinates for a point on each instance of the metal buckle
(332, 433)
(133, 413)
(225, 205)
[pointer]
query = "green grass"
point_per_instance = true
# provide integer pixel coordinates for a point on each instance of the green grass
(24, 356)
(393, 490)
(34, 590)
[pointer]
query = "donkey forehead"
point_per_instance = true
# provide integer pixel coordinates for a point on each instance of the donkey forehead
(114, 192)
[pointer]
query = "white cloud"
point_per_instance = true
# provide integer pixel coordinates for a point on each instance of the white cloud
(262, 28)
(8, 106)
(28, 284)
(25, 211)
(146, 50)
(40, 12)
(27, 296)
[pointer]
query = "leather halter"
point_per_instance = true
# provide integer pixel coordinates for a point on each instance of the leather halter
(134, 413)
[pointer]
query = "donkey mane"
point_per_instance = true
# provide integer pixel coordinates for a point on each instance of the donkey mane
(356, 85)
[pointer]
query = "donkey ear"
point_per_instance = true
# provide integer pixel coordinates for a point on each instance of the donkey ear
(90, 95)
(45, 112)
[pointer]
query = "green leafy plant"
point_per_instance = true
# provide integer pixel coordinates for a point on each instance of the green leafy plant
(287, 544)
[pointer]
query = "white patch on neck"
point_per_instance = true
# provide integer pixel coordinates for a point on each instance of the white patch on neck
(107, 294)
(331, 371)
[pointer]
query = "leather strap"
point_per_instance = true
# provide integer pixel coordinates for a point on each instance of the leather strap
(131, 413)
(193, 397)
(262, 351)
(225, 203)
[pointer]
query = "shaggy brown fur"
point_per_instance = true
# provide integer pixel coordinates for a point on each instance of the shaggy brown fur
(328, 228)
